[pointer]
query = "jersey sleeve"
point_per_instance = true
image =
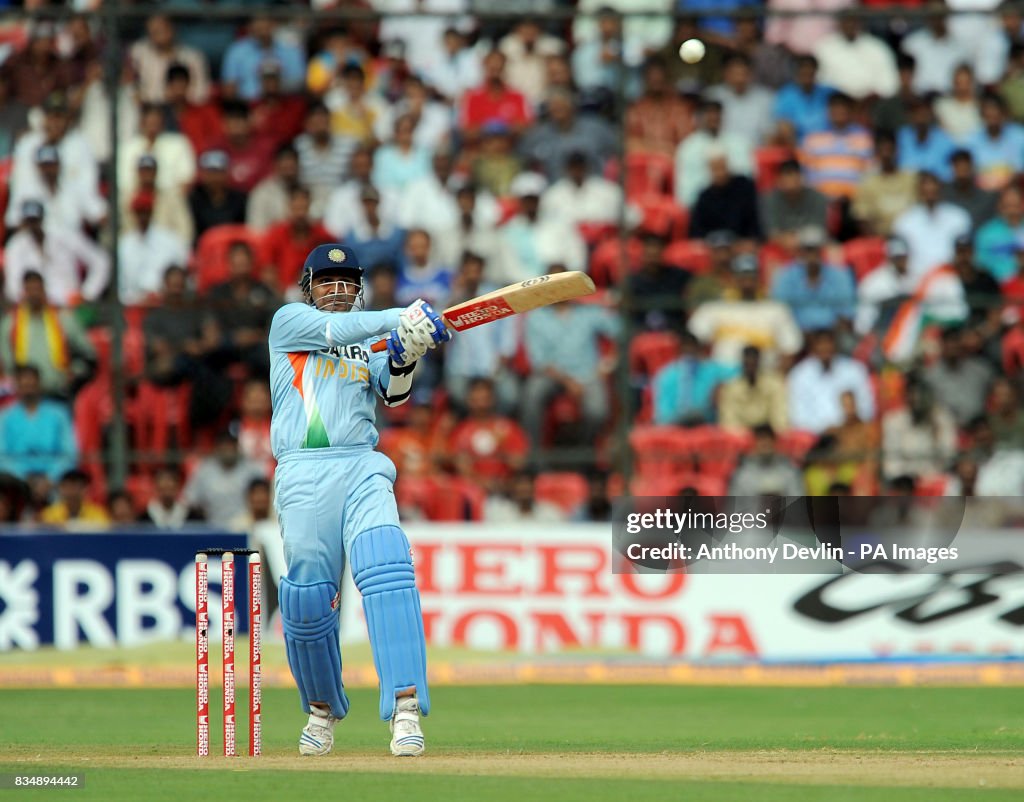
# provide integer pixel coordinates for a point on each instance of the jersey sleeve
(300, 327)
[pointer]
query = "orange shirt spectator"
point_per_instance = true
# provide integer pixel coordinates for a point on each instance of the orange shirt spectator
(488, 447)
(659, 119)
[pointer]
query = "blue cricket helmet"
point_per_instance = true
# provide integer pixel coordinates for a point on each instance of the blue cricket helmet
(333, 258)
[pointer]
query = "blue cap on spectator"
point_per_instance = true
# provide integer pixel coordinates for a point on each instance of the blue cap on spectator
(214, 160)
(896, 247)
(32, 210)
(147, 161)
(495, 128)
(47, 154)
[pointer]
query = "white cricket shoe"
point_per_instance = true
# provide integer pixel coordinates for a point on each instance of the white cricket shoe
(406, 735)
(318, 735)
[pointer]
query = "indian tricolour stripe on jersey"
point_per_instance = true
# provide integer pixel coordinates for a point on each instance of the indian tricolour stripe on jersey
(316, 433)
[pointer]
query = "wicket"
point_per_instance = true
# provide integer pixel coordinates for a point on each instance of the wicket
(227, 557)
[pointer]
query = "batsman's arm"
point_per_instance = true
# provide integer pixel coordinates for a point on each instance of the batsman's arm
(299, 327)
(393, 383)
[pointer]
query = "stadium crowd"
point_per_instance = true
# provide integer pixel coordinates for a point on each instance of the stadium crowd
(811, 244)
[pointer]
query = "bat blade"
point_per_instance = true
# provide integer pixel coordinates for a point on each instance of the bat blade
(514, 299)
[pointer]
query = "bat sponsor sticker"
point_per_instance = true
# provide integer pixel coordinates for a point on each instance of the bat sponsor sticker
(476, 314)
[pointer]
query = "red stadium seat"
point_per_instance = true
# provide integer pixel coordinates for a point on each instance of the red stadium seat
(650, 351)
(565, 489)
(211, 257)
(671, 486)
(864, 254)
(162, 420)
(594, 233)
(442, 498)
(606, 261)
(931, 485)
(649, 174)
(688, 254)
(662, 215)
(720, 449)
(663, 451)
(795, 443)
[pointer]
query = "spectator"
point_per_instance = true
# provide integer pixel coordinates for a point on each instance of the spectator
(582, 198)
(656, 289)
(456, 69)
(922, 145)
(170, 207)
(380, 294)
(757, 397)
(526, 50)
(791, 206)
(535, 241)
(212, 201)
(960, 382)
(488, 447)
(563, 346)
(151, 57)
(747, 109)
(998, 146)
(171, 150)
(174, 331)
(894, 303)
(856, 63)
(356, 115)
(890, 113)
(821, 296)
(729, 325)
(980, 291)
(51, 339)
(817, 383)
(684, 391)
(429, 202)
(240, 75)
(58, 255)
(122, 510)
(420, 275)
(344, 210)
(493, 100)
(67, 206)
(277, 117)
(199, 122)
(286, 244)
(919, 440)
(884, 194)
(766, 472)
(72, 510)
(249, 157)
(837, 157)
(518, 503)
(729, 202)
(79, 167)
(13, 116)
(716, 282)
(550, 141)
(936, 53)
(930, 227)
(692, 169)
(772, 64)
(658, 120)
(36, 434)
(166, 509)
(496, 165)
(1011, 88)
(475, 230)
(964, 191)
(400, 163)
(599, 59)
(38, 71)
(145, 251)
(324, 157)
(483, 351)
(253, 425)
(376, 239)
(270, 199)
(260, 523)
(958, 112)
(1005, 416)
(803, 102)
(219, 483)
(243, 308)
(996, 241)
(432, 121)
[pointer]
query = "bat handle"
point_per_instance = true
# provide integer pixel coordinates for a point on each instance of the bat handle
(380, 345)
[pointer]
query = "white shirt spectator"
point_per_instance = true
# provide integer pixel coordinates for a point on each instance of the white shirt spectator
(943, 298)
(94, 118)
(1002, 474)
(640, 33)
(596, 200)
(453, 75)
(423, 36)
(143, 258)
(78, 166)
(692, 173)
(433, 128)
(176, 162)
(935, 59)
(535, 246)
(220, 491)
(982, 36)
(526, 71)
(863, 67)
(426, 203)
(814, 393)
(67, 207)
(800, 33)
(151, 66)
(958, 118)
(58, 262)
(732, 325)
(750, 115)
(930, 234)
(343, 212)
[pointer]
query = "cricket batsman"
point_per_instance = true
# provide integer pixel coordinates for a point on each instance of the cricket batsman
(335, 497)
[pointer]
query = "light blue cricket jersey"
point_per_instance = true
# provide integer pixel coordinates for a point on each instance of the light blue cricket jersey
(323, 377)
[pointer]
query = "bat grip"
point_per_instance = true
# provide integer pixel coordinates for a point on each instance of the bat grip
(380, 345)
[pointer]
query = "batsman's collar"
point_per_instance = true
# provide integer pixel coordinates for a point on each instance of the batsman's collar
(332, 256)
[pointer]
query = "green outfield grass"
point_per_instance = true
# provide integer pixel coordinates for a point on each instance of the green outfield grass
(544, 742)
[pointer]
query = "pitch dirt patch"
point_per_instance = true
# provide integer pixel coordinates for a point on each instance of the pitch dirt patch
(817, 767)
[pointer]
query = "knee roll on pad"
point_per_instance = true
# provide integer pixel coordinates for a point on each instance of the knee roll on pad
(310, 624)
(382, 570)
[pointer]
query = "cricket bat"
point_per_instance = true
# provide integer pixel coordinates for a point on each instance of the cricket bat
(513, 299)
